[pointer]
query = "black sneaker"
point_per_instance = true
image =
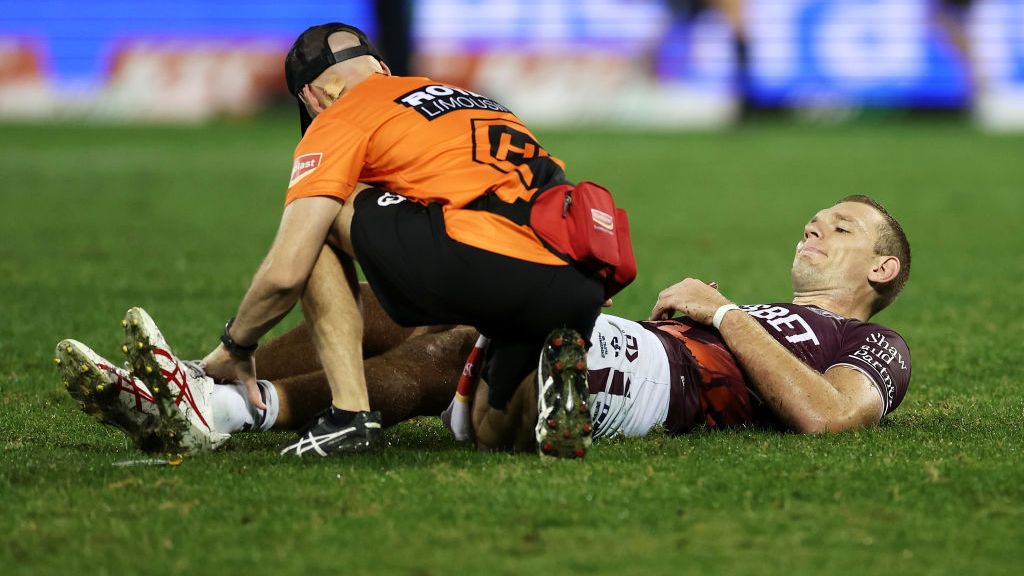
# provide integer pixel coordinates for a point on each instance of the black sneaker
(563, 417)
(323, 438)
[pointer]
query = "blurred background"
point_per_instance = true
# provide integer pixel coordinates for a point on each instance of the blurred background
(672, 64)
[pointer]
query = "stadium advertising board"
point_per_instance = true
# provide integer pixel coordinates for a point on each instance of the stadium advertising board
(646, 62)
(651, 63)
(152, 61)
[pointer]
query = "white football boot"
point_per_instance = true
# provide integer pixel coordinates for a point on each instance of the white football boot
(110, 394)
(181, 390)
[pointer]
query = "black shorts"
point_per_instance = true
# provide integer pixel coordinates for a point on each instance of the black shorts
(423, 277)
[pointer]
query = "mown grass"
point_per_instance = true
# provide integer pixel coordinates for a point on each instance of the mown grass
(94, 220)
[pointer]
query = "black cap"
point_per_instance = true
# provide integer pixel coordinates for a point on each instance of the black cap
(311, 55)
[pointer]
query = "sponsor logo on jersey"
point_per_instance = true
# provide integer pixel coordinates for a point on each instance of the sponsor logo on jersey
(784, 320)
(303, 166)
(436, 100)
(884, 351)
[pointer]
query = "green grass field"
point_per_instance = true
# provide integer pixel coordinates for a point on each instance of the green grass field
(95, 220)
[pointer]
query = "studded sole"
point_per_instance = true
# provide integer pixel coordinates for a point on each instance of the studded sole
(90, 386)
(174, 427)
(564, 428)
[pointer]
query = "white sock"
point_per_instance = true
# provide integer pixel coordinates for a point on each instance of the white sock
(232, 411)
(268, 416)
(456, 417)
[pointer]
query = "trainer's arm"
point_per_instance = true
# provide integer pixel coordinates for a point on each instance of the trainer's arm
(803, 399)
(277, 285)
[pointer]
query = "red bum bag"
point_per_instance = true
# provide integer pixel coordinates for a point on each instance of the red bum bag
(582, 224)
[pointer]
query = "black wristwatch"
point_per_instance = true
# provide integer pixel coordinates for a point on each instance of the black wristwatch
(236, 350)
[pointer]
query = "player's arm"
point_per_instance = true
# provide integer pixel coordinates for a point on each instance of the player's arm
(277, 285)
(804, 400)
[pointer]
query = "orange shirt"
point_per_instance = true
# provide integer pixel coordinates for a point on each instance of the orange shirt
(430, 142)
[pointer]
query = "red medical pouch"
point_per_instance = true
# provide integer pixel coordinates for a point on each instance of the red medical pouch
(582, 224)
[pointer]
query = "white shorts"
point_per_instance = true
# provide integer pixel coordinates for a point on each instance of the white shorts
(628, 376)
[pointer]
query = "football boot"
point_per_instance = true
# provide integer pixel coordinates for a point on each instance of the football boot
(111, 395)
(180, 390)
(324, 438)
(564, 427)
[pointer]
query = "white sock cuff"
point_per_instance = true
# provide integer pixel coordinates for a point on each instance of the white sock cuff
(270, 398)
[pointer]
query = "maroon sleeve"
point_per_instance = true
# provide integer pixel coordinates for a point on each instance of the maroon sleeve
(881, 355)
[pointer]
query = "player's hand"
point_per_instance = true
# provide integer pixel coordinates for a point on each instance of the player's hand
(696, 299)
(221, 365)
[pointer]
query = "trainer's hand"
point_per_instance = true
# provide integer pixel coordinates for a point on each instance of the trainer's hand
(312, 102)
(221, 365)
(692, 297)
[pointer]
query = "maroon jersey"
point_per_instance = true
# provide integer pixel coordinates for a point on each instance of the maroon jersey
(710, 389)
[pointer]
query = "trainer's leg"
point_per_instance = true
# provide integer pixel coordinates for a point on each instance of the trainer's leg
(331, 308)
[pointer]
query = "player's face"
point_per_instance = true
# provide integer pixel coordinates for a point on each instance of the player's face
(837, 249)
